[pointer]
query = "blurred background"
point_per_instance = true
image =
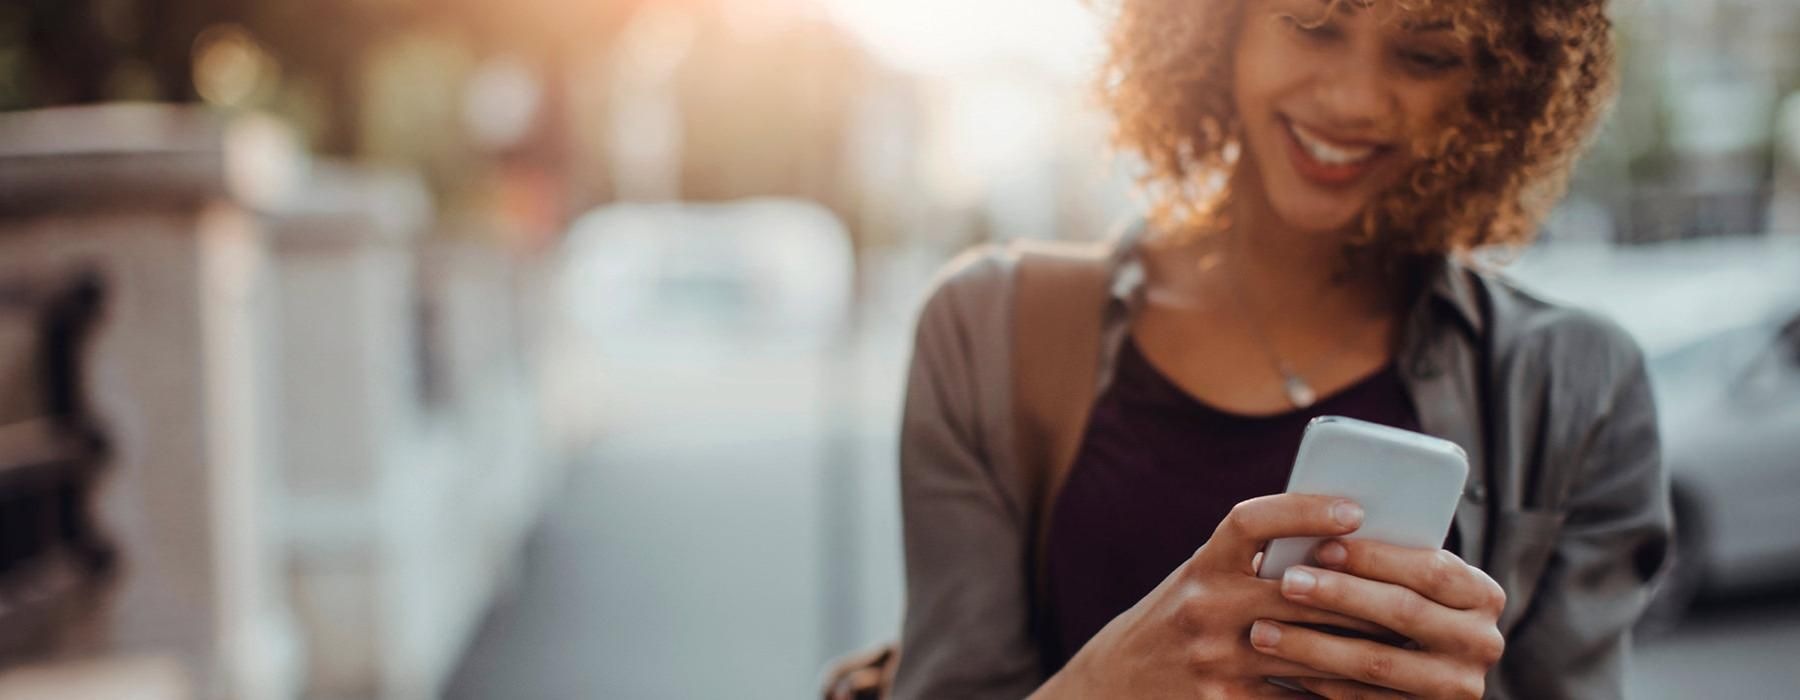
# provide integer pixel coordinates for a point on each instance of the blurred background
(554, 348)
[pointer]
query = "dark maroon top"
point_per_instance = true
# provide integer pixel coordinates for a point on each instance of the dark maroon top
(1156, 472)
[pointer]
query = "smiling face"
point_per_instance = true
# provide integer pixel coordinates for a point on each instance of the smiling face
(1331, 95)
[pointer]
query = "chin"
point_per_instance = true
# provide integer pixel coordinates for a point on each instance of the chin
(1313, 214)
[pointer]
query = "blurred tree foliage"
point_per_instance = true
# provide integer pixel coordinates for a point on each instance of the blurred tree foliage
(320, 64)
(62, 52)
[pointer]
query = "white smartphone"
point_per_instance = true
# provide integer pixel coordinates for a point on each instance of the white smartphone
(1407, 483)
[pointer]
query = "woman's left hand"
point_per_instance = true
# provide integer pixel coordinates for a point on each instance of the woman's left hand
(1448, 608)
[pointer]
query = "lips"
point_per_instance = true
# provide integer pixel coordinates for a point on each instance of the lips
(1330, 162)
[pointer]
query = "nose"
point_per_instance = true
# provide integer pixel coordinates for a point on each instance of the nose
(1355, 94)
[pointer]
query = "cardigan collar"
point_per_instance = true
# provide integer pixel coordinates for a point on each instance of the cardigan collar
(1446, 280)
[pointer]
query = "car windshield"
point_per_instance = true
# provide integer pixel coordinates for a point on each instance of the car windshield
(1699, 371)
(1702, 369)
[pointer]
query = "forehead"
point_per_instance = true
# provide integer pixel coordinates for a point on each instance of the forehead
(1421, 15)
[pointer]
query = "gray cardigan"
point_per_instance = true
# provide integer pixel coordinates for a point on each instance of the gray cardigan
(1566, 504)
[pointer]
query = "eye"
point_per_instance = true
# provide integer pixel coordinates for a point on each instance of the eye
(1431, 61)
(1316, 30)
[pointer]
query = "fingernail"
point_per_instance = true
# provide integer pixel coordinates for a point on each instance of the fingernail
(1298, 581)
(1347, 513)
(1332, 554)
(1265, 634)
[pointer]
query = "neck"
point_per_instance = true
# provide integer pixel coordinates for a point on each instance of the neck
(1295, 273)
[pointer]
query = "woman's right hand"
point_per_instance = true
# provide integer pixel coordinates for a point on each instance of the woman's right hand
(1190, 637)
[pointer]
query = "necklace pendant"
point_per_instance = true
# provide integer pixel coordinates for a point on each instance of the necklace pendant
(1298, 392)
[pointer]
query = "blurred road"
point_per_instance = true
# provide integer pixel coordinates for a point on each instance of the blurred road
(695, 555)
(673, 567)
(1744, 648)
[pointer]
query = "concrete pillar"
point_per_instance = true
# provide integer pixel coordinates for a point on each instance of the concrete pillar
(160, 201)
(357, 464)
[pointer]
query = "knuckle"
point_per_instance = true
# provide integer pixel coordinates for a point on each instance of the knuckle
(1470, 687)
(1218, 691)
(1441, 574)
(1237, 522)
(1496, 597)
(1410, 610)
(1204, 657)
(1491, 647)
(1376, 669)
(1193, 615)
(1198, 661)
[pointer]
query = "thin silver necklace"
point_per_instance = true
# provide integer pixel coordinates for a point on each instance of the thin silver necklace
(1299, 392)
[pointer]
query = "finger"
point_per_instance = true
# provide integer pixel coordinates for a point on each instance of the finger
(1253, 523)
(1398, 608)
(1372, 663)
(1264, 688)
(1259, 665)
(1345, 690)
(1435, 574)
(1268, 602)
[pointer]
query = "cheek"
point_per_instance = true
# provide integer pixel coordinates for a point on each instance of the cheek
(1246, 86)
(1260, 71)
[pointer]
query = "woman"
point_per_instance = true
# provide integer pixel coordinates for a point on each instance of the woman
(1319, 169)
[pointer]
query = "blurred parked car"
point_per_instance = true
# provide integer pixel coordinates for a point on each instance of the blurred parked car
(1731, 434)
(1720, 323)
(674, 310)
(710, 278)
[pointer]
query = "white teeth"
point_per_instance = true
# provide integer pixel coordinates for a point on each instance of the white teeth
(1326, 153)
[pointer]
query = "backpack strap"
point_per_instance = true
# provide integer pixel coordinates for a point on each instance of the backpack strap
(1059, 303)
(1059, 300)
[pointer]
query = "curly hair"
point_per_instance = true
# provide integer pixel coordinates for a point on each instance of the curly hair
(1543, 78)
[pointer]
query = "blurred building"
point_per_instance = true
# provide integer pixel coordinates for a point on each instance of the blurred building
(1694, 143)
